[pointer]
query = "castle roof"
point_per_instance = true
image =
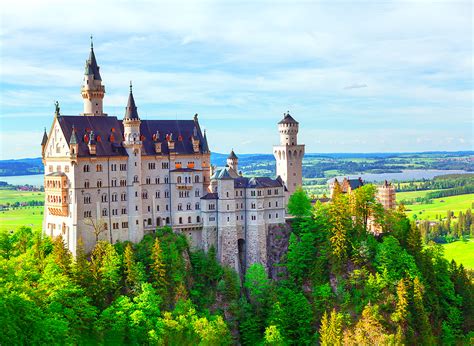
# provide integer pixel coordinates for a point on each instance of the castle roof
(256, 182)
(131, 109)
(210, 195)
(108, 133)
(232, 155)
(354, 183)
(91, 65)
(288, 119)
(45, 138)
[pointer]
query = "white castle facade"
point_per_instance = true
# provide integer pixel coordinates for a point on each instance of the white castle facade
(117, 180)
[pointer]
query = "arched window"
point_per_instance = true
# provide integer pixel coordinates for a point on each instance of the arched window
(180, 220)
(189, 219)
(179, 180)
(198, 219)
(196, 179)
(104, 212)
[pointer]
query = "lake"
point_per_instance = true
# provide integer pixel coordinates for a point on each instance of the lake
(35, 179)
(409, 174)
(405, 175)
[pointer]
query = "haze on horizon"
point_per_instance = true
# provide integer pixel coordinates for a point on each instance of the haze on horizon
(390, 76)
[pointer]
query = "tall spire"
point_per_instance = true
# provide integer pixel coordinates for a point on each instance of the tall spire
(92, 90)
(131, 109)
(91, 64)
(45, 137)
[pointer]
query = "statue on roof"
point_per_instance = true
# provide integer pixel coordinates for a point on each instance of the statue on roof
(58, 109)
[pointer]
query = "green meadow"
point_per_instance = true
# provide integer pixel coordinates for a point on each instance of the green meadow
(25, 216)
(440, 206)
(461, 252)
(13, 196)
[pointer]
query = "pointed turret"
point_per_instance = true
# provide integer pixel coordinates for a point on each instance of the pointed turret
(205, 147)
(131, 121)
(43, 142)
(131, 109)
(233, 161)
(92, 89)
(45, 138)
(73, 144)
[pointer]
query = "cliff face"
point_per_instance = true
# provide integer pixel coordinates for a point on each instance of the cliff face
(277, 247)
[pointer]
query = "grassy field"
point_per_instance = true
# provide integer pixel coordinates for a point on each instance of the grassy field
(13, 196)
(24, 216)
(412, 194)
(440, 206)
(461, 252)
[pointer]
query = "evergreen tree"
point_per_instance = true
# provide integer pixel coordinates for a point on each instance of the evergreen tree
(81, 269)
(422, 327)
(330, 330)
(158, 267)
(134, 275)
(61, 254)
(340, 220)
(401, 314)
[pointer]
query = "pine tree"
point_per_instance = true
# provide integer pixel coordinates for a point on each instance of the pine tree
(331, 329)
(423, 328)
(299, 204)
(62, 255)
(368, 330)
(133, 274)
(401, 314)
(158, 269)
(341, 224)
(81, 269)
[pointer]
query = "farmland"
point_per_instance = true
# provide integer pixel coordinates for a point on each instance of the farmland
(461, 251)
(440, 206)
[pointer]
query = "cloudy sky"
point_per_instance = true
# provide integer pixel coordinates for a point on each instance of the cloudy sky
(359, 76)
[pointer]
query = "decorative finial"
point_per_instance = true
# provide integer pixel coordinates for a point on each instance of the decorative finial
(195, 117)
(45, 129)
(92, 43)
(130, 86)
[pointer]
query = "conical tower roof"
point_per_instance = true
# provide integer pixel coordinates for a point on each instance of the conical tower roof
(91, 64)
(45, 138)
(131, 109)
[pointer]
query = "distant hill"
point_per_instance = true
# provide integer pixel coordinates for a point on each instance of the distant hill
(266, 161)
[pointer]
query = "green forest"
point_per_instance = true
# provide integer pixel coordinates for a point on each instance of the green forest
(339, 284)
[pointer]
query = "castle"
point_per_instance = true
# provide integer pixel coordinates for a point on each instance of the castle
(117, 180)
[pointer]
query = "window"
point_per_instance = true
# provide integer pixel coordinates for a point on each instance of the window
(269, 204)
(269, 192)
(104, 212)
(124, 211)
(135, 179)
(149, 221)
(276, 204)
(87, 199)
(114, 197)
(198, 219)
(269, 216)
(99, 183)
(197, 193)
(259, 193)
(124, 224)
(254, 217)
(276, 215)
(196, 179)
(189, 219)
(104, 198)
(180, 220)
(86, 168)
(123, 166)
(157, 180)
(167, 180)
(188, 206)
(113, 167)
(180, 206)
(149, 208)
(86, 184)
(114, 182)
(167, 193)
(115, 225)
(145, 195)
(212, 218)
(165, 165)
(148, 181)
(197, 206)
(252, 193)
(98, 168)
(157, 194)
(123, 182)
(114, 212)
(166, 207)
(253, 206)
(228, 207)
(157, 208)
(276, 191)
(179, 180)
(123, 196)
(227, 194)
(212, 206)
(167, 220)
(151, 165)
(87, 213)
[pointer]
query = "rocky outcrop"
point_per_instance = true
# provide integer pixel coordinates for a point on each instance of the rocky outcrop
(277, 247)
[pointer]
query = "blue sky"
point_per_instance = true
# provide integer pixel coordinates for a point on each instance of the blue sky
(359, 76)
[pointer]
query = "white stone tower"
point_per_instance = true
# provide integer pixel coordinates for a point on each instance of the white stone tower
(133, 144)
(233, 161)
(92, 90)
(289, 154)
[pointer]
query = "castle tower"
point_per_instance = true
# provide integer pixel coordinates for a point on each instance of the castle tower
(233, 161)
(133, 144)
(386, 195)
(289, 154)
(92, 90)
